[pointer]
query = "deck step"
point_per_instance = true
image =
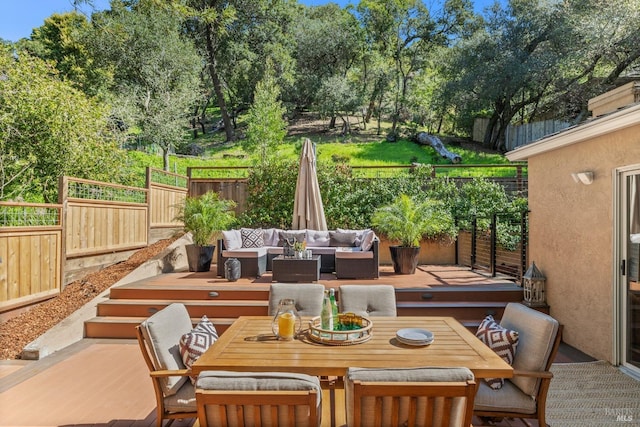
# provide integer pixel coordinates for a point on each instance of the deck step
(461, 310)
(188, 292)
(196, 308)
(124, 327)
(500, 292)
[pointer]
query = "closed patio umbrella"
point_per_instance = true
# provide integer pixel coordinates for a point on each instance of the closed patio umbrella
(308, 210)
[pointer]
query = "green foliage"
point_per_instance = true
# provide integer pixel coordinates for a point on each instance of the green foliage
(408, 220)
(206, 216)
(156, 70)
(266, 126)
(271, 190)
(49, 129)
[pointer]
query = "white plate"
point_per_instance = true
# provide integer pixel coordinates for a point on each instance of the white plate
(414, 343)
(416, 335)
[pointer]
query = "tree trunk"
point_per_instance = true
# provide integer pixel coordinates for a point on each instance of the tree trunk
(217, 86)
(424, 138)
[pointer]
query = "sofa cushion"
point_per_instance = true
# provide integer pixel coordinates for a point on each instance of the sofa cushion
(367, 240)
(501, 340)
(270, 236)
(232, 239)
(245, 253)
(359, 234)
(340, 239)
(353, 253)
(193, 344)
(317, 238)
(252, 237)
(291, 236)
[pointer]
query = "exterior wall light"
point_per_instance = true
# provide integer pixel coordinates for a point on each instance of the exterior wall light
(584, 177)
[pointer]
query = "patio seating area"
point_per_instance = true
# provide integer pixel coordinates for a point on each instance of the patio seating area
(104, 382)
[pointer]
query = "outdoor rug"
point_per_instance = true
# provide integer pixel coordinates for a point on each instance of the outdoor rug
(592, 394)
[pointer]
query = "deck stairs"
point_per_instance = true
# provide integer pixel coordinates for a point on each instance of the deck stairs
(130, 304)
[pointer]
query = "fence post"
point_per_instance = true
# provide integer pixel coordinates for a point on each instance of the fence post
(523, 244)
(493, 249)
(457, 243)
(474, 224)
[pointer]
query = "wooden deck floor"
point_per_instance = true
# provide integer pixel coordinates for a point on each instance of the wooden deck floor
(98, 382)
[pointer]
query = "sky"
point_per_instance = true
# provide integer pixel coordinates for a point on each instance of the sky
(19, 17)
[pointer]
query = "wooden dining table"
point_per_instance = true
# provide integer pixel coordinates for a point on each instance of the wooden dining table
(248, 345)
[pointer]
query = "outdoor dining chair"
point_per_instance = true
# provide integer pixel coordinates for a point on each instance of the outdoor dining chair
(368, 300)
(253, 399)
(307, 296)
(437, 397)
(159, 338)
(525, 395)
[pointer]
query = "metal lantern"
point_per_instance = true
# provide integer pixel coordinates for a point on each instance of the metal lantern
(232, 269)
(533, 282)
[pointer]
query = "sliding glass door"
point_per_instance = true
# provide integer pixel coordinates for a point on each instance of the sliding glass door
(629, 295)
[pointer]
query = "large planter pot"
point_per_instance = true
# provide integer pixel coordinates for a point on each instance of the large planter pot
(404, 258)
(199, 257)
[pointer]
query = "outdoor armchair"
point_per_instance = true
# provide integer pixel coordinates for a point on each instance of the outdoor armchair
(368, 300)
(436, 397)
(252, 399)
(524, 395)
(307, 296)
(159, 338)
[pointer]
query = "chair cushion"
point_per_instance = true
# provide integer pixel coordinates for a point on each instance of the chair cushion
(162, 332)
(227, 380)
(308, 297)
(232, 239)
(252, 238)
(182, 401)
(193, 344)
(507, 399)
(368, 300)
(537, 333)
(502, 341)
(400, 375)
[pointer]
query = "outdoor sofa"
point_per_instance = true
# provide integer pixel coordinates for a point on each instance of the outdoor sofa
(351, 254)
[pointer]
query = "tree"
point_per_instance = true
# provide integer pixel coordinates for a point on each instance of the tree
(62, 40)
(405, 32)
(266, 127)
(329, 43)
(49, 129)
(155, 69)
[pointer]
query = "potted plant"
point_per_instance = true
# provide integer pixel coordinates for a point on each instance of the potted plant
(204, 217)
(407, 221)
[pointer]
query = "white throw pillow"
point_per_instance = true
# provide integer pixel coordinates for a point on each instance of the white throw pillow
(367, 240)
(232, 239)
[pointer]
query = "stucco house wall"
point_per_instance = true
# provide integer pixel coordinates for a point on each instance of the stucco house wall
(571, 225)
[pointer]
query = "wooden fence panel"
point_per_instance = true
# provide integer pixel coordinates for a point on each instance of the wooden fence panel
(167, 192)
(30, 266)
(164, 205)
(230, 189)
(94, 228)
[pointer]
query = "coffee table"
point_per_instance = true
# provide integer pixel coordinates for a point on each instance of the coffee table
(287, 269)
